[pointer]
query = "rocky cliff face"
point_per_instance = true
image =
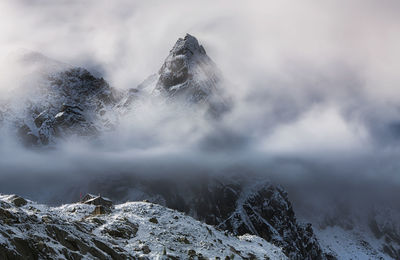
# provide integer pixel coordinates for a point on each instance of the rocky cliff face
(188, 72)
(190, 76)
(71, 102)
(78, 103)
(265, 210)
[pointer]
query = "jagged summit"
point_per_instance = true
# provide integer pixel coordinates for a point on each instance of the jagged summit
(188, 46)
(188, 72)
(186, 75)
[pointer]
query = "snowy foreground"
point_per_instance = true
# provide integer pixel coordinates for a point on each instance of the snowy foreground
(133, 230)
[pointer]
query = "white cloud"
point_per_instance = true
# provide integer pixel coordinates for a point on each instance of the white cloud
(320, 129)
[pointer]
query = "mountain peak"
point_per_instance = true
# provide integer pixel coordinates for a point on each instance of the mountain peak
(188, 46)
(188, 72)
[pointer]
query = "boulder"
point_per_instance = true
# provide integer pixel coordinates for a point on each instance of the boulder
(18, 201)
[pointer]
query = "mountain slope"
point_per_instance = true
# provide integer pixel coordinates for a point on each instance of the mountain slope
(130, 230)
(188, 71)
(238, 204)
(360, 233)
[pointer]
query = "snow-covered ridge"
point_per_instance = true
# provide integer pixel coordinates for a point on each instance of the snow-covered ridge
(131, 230)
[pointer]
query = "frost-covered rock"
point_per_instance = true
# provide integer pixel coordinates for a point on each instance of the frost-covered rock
(265, 210)
(71, 231)
(71, 102)
(234, 204)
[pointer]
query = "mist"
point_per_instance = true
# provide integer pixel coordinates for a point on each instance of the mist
(314, 88)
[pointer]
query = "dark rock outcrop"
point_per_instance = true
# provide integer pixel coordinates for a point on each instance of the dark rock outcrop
(188, 71)
(47, 239)
(18, 201)
(262, 210)
(189, 75)
(71, 102)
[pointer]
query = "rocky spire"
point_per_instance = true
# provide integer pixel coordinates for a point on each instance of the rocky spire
(188, 46)
(188, 72)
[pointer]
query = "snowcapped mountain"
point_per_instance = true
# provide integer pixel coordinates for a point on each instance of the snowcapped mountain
(133, 230)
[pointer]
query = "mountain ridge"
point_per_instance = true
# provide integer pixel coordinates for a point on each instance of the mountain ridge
(86, 105)
(133, 230)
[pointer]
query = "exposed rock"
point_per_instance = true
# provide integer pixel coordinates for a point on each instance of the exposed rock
(70, 102)
(70, 120)
(153, 220)
(183, 240)
(191, 253)
(123, 229)
(18, 201)
(189, 75)
(146, 250)
(110, 251)
(47, 219)
(7, 217)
